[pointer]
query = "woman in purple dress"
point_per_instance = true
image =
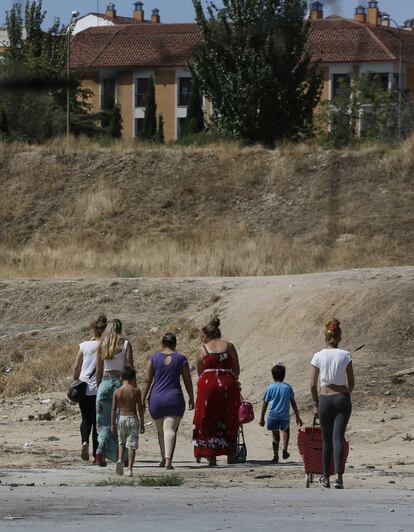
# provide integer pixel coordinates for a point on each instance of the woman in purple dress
(166, 399)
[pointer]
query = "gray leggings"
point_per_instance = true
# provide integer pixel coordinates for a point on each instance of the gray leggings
(334, 414)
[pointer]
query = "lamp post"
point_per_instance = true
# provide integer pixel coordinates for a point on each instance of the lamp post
(74, 16)
(388, 19)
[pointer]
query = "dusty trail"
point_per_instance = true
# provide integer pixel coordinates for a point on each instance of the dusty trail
(268, 318)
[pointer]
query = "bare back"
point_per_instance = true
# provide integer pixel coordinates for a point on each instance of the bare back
(127, 398)
(217, 347)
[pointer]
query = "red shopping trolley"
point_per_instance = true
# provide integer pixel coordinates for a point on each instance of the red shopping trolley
(310, 448)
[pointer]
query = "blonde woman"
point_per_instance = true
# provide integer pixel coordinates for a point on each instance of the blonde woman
(114, 354)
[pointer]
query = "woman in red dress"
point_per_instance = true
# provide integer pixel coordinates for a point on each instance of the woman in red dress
(216, 422)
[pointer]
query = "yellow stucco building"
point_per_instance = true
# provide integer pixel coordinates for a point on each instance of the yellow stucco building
(120, 54)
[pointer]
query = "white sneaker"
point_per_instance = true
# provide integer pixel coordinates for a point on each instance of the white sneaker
(128, 473)
(119, 468)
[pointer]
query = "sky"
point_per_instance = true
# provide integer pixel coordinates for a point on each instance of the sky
(182, 10)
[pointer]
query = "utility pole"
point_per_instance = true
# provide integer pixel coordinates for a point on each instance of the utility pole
(387, 18)
(74, 16)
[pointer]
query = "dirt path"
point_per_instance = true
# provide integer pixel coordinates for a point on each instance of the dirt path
(267, 318)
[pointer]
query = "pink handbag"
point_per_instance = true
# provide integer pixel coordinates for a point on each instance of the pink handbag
(246, 412)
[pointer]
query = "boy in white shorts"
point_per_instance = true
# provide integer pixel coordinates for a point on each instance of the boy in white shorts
(127, 399)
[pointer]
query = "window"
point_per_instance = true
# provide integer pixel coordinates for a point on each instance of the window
(340, 82)
(184, 91)
(396, 81)
(108, 93)
(180, 125)
(379, 79)
(141, 92)
(139, 124)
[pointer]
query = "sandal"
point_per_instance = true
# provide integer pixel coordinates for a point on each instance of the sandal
(324, 482)
(100, 460)
(338, 485)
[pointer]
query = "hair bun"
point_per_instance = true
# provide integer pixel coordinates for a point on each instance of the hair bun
(333, 325)
(100, 323)
(102, 320)
(215, 322)
(212, 330)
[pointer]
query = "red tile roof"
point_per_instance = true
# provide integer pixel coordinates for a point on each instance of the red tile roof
(333, 40)
(137, 45)
(339, 40)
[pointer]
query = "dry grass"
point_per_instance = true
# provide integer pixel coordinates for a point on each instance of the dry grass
(131, 210)
(37, 364)
(231, 255)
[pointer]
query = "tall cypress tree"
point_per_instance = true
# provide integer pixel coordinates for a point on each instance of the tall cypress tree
(254, 66)
(14, 25)
(160, 130)
(4, 125)
(115, 126)
(149, 128)
(194, 122)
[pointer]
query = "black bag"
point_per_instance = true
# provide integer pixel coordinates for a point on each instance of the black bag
(77, 389)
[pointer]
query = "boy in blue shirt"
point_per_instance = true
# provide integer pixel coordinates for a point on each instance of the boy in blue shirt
(278, 397)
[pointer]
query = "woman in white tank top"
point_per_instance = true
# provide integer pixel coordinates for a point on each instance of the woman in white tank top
(85, 370)
(114, 353)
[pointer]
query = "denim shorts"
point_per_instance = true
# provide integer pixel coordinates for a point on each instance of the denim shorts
(277, 424)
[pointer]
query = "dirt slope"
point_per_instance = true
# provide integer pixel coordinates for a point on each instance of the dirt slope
(223, 210)
(268, 319)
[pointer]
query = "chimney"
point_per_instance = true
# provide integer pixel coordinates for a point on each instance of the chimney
(155, 16)
(139, 11)
(316, 12)
(373, 13)
(110, 10)
(385, 20)
(409, 25)
(360, 14)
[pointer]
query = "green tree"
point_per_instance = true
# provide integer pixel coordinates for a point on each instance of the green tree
(363, 108)
(4, 125)
(39, 51)
(149, 128)
(194, 122)
(33, 78)
(14, 25)
(160, 130)
(115, 126)
(254, 66)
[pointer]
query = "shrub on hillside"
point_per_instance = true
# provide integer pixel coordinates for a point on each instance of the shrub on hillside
(363, 109)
